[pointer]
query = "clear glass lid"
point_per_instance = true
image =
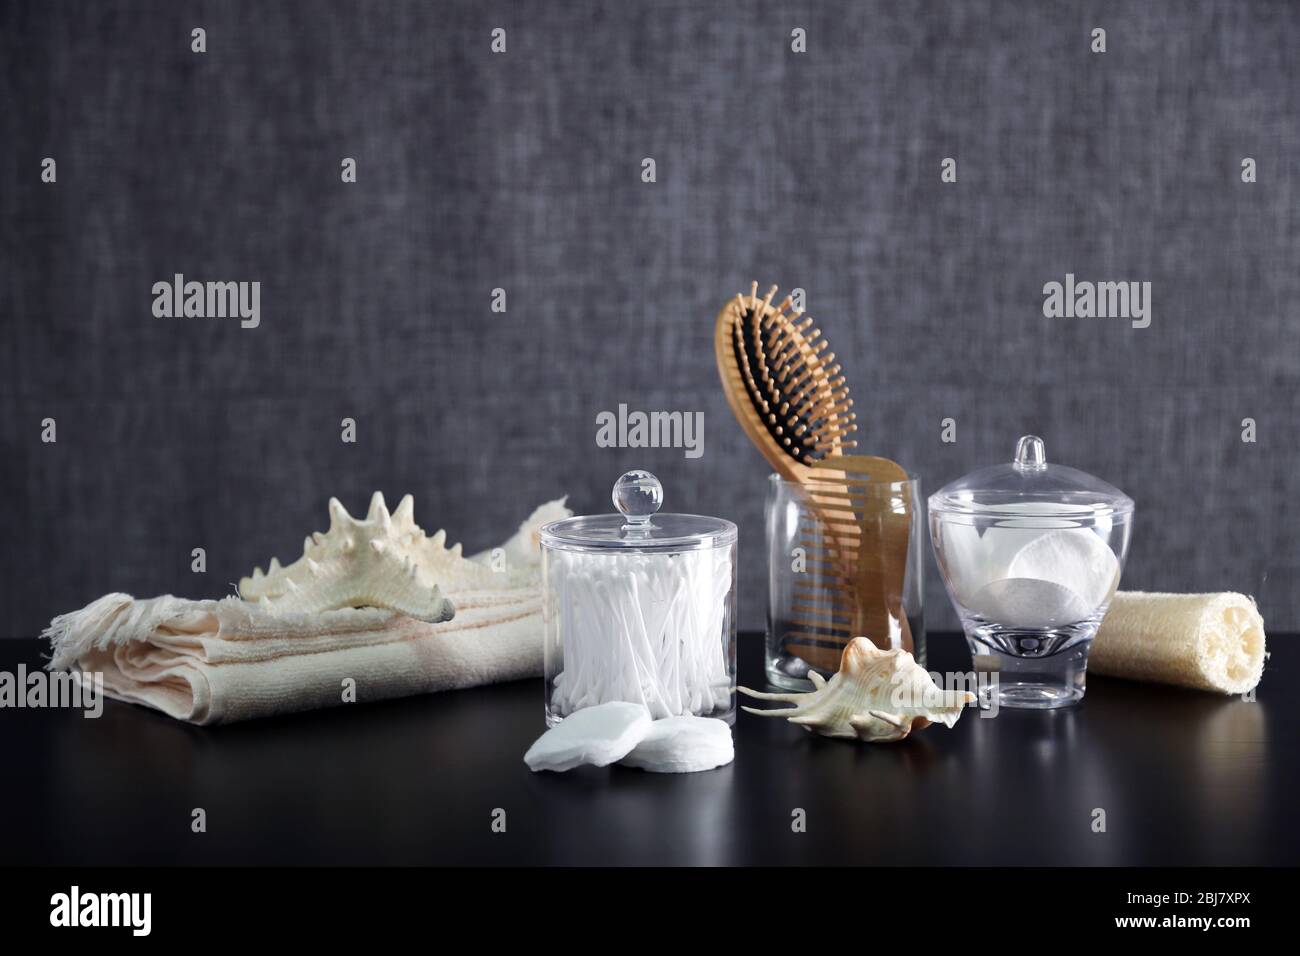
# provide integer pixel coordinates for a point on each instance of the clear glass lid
(1028, 487)
(638, 526)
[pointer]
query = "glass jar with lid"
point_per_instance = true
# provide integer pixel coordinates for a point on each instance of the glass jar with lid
(1031, 554)
(640, 606)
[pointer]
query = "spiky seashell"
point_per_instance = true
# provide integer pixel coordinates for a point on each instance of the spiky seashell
(878, 696)
(384, 560)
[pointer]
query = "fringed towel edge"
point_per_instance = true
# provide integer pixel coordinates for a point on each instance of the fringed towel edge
(113, 619)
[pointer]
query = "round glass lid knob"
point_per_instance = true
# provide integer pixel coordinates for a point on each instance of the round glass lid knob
(1030, 454)
(637, 496)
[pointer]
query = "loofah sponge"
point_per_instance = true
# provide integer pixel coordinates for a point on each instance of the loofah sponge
(1207, 641)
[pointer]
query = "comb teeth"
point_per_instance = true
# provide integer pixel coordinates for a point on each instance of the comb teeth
(789, 376)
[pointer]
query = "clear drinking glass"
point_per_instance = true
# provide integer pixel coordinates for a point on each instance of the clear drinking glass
(1031, 555)
(827, 584)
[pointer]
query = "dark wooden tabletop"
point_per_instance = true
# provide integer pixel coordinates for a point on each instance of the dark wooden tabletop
(1184, 778)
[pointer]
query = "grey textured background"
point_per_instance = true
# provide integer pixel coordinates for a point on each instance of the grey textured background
(522, 171)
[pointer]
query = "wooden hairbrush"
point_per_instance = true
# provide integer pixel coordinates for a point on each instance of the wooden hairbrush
(785, 390)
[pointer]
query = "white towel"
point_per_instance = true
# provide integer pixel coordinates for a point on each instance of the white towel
(212, 662)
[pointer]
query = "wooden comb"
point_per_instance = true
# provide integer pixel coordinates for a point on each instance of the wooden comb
(789, 397)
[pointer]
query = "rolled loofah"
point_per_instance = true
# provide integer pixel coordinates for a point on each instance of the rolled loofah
(1206, 641)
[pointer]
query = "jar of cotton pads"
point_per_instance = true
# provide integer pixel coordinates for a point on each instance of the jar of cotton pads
(1031, 554)
(640, 606)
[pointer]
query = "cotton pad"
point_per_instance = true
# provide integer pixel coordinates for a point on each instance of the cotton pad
(597, 735)
(1029, 602)
(1044, 579)
(964, 559)
(683, 745)
(975, 557)
(1076, 559)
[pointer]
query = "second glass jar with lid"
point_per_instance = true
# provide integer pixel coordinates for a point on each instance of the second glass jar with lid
(1031, 554)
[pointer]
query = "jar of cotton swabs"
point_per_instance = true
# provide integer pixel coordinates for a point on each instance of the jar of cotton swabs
(640, 606)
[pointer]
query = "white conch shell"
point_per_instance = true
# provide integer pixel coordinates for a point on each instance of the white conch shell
(878, 696)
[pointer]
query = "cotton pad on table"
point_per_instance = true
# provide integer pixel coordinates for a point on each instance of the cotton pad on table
(683, 745)
(598, 736)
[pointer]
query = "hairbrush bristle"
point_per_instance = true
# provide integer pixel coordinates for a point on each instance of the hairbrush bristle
(789, 376)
